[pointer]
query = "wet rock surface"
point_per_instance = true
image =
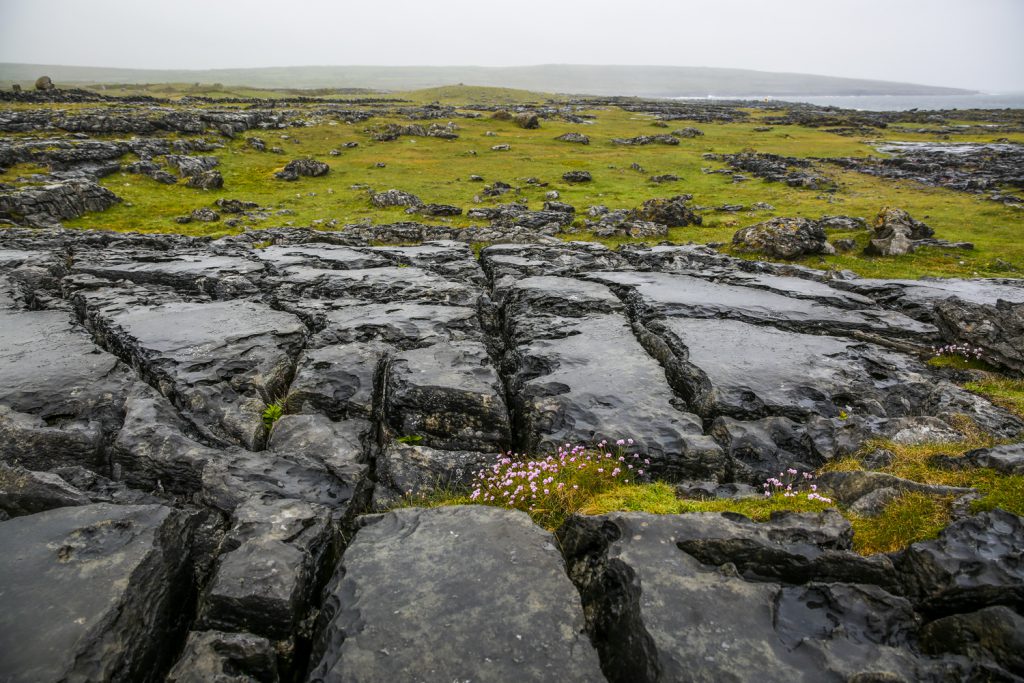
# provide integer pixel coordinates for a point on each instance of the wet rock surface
(218, 417)
(93, 592)
(780, 600)
(494, 580)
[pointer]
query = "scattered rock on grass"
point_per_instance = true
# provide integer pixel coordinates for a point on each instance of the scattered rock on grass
(785, 238)
(302, 167)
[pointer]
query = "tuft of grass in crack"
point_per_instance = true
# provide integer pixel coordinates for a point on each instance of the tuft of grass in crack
(272, 413)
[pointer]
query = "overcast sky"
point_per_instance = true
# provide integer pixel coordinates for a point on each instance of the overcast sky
(975, 44)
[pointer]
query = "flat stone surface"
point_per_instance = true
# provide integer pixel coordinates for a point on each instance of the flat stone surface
(91, 593)
(338, 380)
(683, 295)
(403, 325)
(50, 367)
(217, 362)
(657, 612)
(463, 593)
(184, 271)
(754, 370)
(320, 256)
(918, 294)
(382, 285)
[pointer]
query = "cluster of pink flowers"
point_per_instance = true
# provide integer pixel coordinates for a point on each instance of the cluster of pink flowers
(964, 350)
(516, 481)
(793, 483)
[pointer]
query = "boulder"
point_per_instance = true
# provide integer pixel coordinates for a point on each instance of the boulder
(895, 232)
(578, 138)
(435, 210)
(189, 166)
(1006, 459)
(527, 120)
(577, 177)
(44, 206)
(235, 205)
(561, 207)
(394, 197)
(672, 212)
(846, 223)
(785, 238)
(687, 132)
(302, 167)
(204, 214)
(647, 140)
(206, 180)
(44, 83)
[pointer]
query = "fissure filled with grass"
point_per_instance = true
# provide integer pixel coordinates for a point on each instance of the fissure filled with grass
(598, 480)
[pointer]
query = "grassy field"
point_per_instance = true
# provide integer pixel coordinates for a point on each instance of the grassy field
(438, 171)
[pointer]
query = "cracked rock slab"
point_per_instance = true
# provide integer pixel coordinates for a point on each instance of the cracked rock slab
(267, 581)
(658, 613)
(217, 362)
(680, 295)
(457, 593)
(92, 593)
(580, 376)
(449, 395)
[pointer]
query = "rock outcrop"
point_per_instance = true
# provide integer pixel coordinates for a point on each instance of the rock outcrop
(193, 431)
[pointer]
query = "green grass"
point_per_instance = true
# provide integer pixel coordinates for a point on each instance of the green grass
(660, 498)
(910, 518)
(1003, 391)
(272, 413)
(957, 362)
(437, 171)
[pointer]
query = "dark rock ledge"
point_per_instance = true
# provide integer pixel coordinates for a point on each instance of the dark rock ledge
(156, 526)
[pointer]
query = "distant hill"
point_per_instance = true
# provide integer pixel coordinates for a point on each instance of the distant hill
(645, 81)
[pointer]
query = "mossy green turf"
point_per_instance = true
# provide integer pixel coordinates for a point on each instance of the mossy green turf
(438, 171)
